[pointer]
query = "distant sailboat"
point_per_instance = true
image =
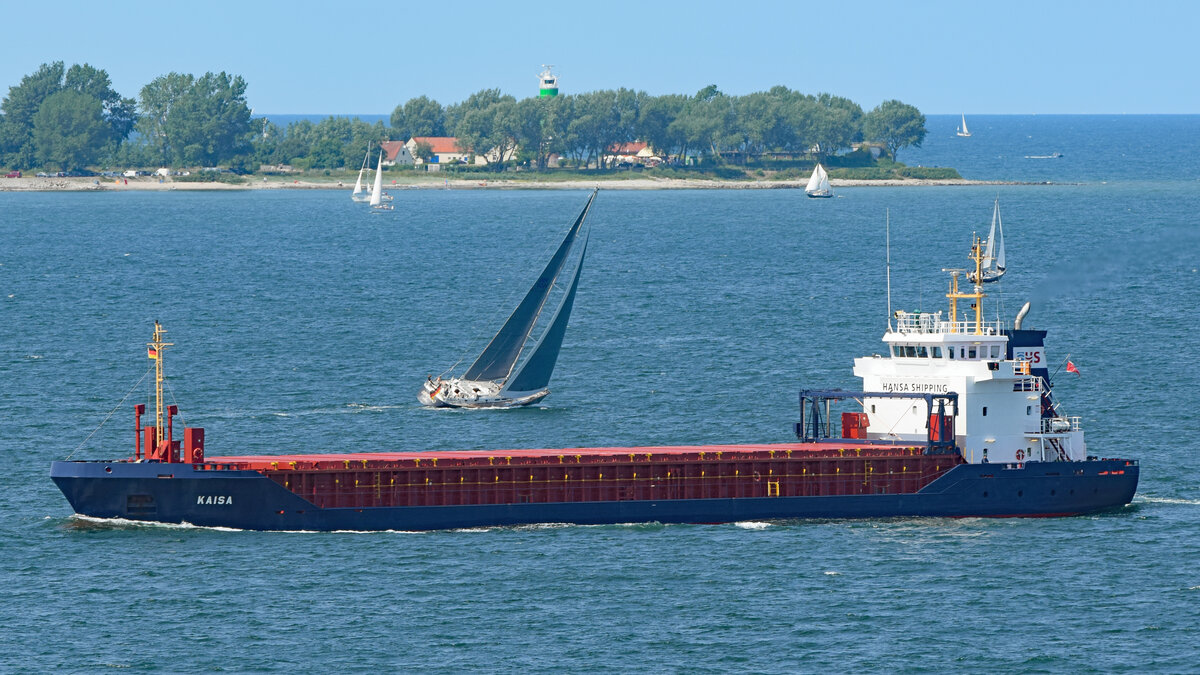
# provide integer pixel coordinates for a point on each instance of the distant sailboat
(993, 251)
(962, 130)
(358, 195)
(818, 184)
(377, 189)
(499, 378)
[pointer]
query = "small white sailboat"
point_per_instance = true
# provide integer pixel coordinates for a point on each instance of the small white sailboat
(818, 184)
(377, 204)
(359, 195)
(993, 251)
(962, 129)
(514, 369)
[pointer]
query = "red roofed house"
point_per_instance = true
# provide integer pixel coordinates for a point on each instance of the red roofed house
(396, 152)
(637, 152)
(443, 148)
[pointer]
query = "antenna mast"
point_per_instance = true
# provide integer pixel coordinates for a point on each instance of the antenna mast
(155, 351)
(887, 229)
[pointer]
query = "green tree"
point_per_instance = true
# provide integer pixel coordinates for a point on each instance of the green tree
(480, 100)
(654, 123)
(155, 101)
(420, 116)
(835, 125)
(210, 122)
(897, 125)
(18, 146)
(532, 120)
(491, 127)
(757, 118)
(423, 151)
(706, 122)
(69, 130)
(120, 113)
(21, 104)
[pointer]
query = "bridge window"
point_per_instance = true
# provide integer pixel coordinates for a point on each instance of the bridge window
(950, 351)
(897, 350)
(972, 352)
(985, 411)
(1028, 410)
(937, 352)
(995, 351)
(910, 351)
(921, 352)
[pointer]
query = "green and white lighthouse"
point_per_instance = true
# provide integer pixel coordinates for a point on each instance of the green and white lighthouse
(547, 83)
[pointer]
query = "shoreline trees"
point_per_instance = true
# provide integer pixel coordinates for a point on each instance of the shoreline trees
(71, 118)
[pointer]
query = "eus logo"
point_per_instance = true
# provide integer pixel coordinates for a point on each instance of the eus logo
(214, 500)
(1033, 355)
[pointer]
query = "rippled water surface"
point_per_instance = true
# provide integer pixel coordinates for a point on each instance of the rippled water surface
(304, 324)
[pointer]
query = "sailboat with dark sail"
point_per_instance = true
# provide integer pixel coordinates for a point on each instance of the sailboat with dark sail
(514, 369)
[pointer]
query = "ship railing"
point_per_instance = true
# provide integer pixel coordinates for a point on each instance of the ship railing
(1029, 384)
(1061, 425)
(932, 322)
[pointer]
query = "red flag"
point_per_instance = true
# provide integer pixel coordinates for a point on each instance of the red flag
(1072, 369)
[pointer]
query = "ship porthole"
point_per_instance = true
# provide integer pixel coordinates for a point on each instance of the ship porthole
(1020, 493)
(985, 494)
(1053, 492)
(108, 469)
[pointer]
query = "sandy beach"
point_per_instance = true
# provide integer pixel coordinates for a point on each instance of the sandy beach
(34, 184)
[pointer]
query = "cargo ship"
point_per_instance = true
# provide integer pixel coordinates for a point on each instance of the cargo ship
(957, 418)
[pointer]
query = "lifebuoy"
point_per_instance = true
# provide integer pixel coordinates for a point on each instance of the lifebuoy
(1020, 454)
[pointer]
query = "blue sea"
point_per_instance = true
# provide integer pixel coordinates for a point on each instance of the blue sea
(303, 323)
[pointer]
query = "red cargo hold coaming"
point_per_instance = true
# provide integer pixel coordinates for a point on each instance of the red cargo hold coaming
(456, 478)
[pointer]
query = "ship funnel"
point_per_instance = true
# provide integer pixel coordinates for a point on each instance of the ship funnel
(1020, 316)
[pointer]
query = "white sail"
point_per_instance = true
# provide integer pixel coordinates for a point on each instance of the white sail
(993, 252)
(358, 186)
(819, 174)
(818, 183)
(377, 189)
(962, 130)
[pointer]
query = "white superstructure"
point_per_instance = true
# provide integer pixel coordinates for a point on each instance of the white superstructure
(1005, 412)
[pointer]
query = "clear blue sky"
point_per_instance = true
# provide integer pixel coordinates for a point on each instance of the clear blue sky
(365, 57)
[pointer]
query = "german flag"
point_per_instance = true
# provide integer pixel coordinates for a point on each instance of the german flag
(152, 352)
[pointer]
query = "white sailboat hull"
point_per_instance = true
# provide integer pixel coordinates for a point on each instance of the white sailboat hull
(459, 393)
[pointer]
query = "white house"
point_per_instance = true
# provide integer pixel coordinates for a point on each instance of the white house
(396, 152)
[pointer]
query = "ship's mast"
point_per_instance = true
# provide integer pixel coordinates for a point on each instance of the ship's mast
(155, 351)
(954, 295)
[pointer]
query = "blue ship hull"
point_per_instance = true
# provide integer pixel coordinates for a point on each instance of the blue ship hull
(177, 493)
